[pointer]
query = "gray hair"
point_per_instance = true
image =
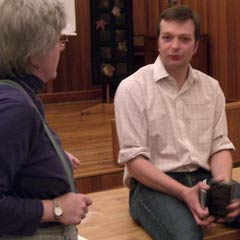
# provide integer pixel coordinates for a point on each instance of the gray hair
(27, 28)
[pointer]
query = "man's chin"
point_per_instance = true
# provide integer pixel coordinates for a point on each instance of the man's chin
(176, 65)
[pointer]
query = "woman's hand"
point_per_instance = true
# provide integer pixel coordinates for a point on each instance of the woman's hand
(74, 206)
(74, 160)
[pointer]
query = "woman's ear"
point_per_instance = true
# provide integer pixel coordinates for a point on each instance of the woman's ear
(34, 62)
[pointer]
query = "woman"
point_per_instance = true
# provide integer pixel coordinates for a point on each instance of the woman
(37, 198)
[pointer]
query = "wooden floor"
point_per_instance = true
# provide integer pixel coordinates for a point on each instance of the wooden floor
(89, 138)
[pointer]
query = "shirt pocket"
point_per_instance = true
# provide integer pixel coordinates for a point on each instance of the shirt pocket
(199, 119)
(160, 128)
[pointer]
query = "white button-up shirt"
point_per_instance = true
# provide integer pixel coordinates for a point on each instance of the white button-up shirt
(176, 130)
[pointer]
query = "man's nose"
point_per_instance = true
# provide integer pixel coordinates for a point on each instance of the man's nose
(175, 43)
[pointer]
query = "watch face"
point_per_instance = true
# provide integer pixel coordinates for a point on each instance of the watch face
(58, 211)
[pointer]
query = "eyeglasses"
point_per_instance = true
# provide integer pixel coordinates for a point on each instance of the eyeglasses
(63, 39)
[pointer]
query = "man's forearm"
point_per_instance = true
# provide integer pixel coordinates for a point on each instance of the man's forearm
(146, 173)
(221, 165)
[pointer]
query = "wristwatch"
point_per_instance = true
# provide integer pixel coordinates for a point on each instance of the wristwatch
(57, 210)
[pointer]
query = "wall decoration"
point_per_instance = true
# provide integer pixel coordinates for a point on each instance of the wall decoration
(107, 69)
(112, 41)
(172, 2)
(100, 24)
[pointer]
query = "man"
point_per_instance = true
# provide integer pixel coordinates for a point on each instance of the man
(172, 132)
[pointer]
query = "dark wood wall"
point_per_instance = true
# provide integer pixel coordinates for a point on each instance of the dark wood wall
(220, 19)
(74, 71)
(221, 22)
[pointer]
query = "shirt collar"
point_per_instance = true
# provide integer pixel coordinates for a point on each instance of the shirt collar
(192, 75)
(159, 72)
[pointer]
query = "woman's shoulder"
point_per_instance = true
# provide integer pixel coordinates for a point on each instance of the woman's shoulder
(10, 96)
(15, 107)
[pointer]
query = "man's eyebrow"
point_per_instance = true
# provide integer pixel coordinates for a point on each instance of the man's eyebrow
(186, 34)
(169, 33)
(182, 34)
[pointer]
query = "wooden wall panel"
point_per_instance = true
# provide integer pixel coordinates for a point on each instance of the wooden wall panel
(74, 70)
(139, 23)
(233, 48)
(139, 18)
(83, 44)
(217, 29)
(100, 182)
(200, 8)
(153, 9)
(220, 21)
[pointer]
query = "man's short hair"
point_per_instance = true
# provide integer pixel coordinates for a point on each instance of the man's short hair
(180, 13)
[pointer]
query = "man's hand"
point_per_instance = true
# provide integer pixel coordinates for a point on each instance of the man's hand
(75, 161)
(234, 209)
(191, 198)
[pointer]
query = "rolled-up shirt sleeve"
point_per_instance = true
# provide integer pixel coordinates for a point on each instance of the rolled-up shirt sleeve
(131, 121)
(220, 139)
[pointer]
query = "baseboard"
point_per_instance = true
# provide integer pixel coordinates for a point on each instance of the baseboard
(71, 96)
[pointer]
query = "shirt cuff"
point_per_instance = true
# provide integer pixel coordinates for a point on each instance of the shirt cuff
(222, 143)
(126, 154)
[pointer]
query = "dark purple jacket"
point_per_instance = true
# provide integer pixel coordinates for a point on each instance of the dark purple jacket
(29, 166)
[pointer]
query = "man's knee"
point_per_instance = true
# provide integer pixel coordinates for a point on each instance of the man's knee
(164, 219)
(164, 232)
(190, 232)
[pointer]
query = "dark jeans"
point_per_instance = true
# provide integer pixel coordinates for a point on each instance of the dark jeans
(162, 216)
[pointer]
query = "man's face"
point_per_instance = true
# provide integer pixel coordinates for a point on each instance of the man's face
(176, 44)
